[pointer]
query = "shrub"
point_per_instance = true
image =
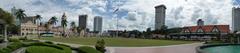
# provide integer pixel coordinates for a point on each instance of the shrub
(100, 46)
(65, 49)
(63, 45)
(5, 50)
(49, 42)
(30, 40)
(23, 38)
(43, 49)
(87, 49)
(15, 45)
(14, 40)
(1, 40)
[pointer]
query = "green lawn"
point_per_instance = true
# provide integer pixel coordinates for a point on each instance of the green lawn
(118, 41)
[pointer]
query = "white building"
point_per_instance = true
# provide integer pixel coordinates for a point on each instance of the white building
(160, 11)
(236, 19)
(28, 28)
(97, 24)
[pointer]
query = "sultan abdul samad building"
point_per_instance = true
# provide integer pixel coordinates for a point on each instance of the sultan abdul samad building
(202, 32)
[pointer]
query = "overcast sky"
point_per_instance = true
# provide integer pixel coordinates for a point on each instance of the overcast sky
(132, 14)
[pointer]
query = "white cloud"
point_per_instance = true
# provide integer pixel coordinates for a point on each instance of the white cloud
(141, 13)
(183, 12)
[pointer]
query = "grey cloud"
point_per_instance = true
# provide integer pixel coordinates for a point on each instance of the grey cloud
(131, 16)
(210, 18)
(177, 13)
(196, 14)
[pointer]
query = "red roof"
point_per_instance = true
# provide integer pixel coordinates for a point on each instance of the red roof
(209, 28)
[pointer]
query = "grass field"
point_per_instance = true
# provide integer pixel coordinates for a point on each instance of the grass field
(128, 42)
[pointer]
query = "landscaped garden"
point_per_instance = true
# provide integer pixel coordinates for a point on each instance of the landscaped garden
(35, 46)
(125, 42)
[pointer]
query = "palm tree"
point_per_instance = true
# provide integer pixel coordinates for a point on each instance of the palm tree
(20, 15)
(6, 19)
(73, 26)
(38, 18)
(53, 20)
(64, 23)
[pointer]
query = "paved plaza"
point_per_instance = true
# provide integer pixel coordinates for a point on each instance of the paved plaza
(184, 48)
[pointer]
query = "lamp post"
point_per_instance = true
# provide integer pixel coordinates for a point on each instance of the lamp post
(115, 12)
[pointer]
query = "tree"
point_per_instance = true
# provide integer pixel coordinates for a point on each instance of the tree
(38, 18)
(6, 19)
(20, 15)
(163, 30)
(73, 26)
(147, 34)
(100, 46)
(64, 23)
(135, 34)
(53, 20)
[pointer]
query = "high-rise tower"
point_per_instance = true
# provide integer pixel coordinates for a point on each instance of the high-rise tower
(236, 19)
(97, 24)
(160, 12)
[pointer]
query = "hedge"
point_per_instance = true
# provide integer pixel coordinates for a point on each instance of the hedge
(63, 48)
(13, 46)
(42, 49)
(5, 50)
(14, 40)
(87, 49)
(16, 45)
(49, 42)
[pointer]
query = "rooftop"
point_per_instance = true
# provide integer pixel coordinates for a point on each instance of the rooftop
(161, 6)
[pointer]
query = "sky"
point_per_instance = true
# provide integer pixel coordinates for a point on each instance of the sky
(131, 14)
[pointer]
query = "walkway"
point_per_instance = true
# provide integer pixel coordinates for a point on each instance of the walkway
(3, 45)
(184, 48)
(20, 50)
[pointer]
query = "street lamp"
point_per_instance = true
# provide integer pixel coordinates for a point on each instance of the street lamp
(116, 21)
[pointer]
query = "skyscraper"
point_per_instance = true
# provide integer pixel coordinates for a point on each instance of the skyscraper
(159, 16)
(97, 24)
(82, 21)
(236, 19)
